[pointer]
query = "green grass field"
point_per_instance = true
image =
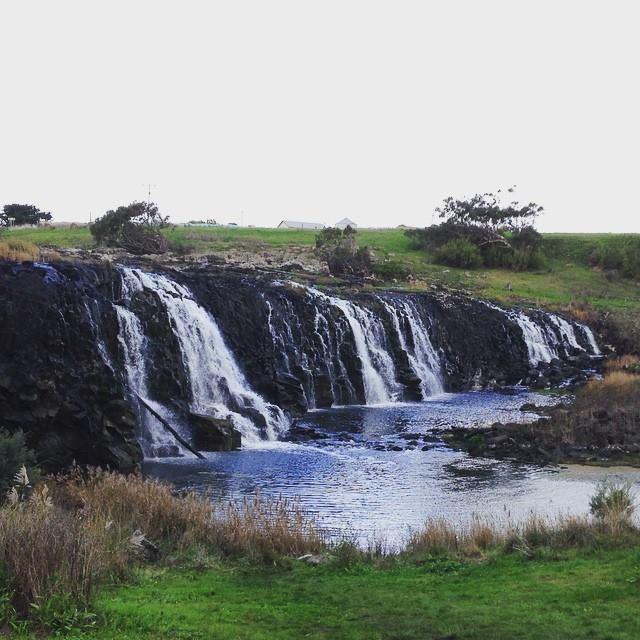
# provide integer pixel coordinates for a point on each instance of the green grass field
(567, 276)
(587, 595)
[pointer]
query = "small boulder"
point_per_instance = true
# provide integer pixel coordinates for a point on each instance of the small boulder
(214, 434)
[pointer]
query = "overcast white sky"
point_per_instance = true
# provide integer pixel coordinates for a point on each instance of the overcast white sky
(317, 110)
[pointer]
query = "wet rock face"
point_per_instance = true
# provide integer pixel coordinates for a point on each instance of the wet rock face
(54, 383)
(61, 364)
(299, 358)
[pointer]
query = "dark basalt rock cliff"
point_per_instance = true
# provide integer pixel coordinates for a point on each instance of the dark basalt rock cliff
(61, 363)
(54, 384)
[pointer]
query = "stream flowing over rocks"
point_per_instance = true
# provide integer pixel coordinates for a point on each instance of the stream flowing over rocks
(106, 364)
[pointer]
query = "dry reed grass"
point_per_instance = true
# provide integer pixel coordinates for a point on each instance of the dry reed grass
(255, 527)
(46, 550)
(627, 363)
(613, 527)
(87, 527)
(83, 528)
(18, 250)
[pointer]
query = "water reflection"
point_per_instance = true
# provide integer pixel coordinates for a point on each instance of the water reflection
(351, 486)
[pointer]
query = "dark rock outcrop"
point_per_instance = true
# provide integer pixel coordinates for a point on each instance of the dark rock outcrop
(214, 434)
(61, 363)
(54, 383)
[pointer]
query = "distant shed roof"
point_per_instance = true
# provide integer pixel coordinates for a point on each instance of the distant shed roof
(295, 224)
(346, 222)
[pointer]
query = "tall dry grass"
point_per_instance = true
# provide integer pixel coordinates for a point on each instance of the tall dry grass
(610, 523)
(18, 250)
(439, 537)
(626, 363)
(86, 528)
(254, 527)
(46, 550)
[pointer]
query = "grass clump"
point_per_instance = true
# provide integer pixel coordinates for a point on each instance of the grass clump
(613, 502)
(18, 250)
(610, 525)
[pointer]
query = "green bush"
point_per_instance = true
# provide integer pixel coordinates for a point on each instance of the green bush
(339, 249)
(390, 270)
(14, 455)
(620, 254)
(458, 253)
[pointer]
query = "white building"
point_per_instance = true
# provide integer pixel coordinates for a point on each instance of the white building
(346, 222)
(293, 224)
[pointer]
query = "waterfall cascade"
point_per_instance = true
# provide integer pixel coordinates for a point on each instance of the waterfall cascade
(153, 438)
(218, 387)
(373, 350)
(339, 351)
(422, 357)
(378, 369)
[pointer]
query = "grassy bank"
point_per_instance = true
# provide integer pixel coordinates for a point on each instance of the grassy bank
(106, 556)
(566, 277)
(578, 595)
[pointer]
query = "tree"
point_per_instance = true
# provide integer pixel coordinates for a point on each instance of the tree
(480, 230)
(339, 249)
(135, 228)
(23, 214)
(485, 210)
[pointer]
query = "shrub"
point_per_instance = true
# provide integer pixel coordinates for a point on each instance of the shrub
(339, 249)
(621, 254)
(14, 455)
(517, 248)
(612, 501)
(458, 253)
(134, 228)
(20, 214)
(391, 270)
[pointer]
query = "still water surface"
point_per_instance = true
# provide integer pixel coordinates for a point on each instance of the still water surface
(356, 485)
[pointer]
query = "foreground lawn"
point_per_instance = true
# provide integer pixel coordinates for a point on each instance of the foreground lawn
(593, 595)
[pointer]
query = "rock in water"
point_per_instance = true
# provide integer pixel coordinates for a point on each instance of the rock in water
(214, 434)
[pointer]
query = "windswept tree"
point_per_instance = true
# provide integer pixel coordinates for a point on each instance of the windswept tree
(485, 210)
(20, 214)
(135, 228)
(481, 230)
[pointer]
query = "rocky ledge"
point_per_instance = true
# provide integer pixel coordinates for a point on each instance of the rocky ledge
(604, 440)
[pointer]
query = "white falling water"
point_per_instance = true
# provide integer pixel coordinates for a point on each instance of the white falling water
(218, 386)
(595, 349)
(429, 366)
(536, 340)
(423, 357)
(154, 437)
(566, 331)
(378, 369)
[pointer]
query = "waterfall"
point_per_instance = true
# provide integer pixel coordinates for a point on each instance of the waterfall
(542, 343)
(154, 439)
(595, 349)
(536, 338)
(378, 368)
(423, 358)
(218, 387)
(566, 331)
